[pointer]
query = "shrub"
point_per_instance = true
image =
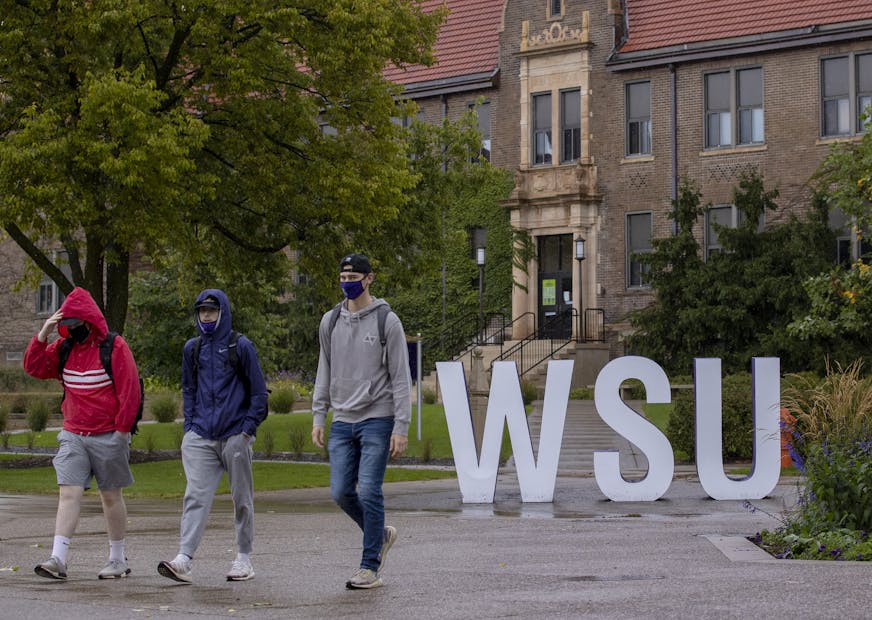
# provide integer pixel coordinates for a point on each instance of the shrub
(582, 393)
(18, 403)
(269, 443)
(164, 408)
(736, 422)
(428, 395)
(833, 449)
(297, 438)
(427, 451)
(282, 400)
(38, 412)
(4, 439)
(14, 379)
(529, 392)
(4, 418)
(31, 439)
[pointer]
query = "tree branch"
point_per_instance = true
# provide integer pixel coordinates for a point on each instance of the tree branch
(245, 244)
(39, 257)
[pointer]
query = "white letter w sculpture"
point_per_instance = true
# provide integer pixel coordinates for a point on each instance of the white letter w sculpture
(478, 477)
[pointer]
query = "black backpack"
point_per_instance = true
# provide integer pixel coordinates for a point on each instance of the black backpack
(105, 359)
(233, 359)
(382, 311)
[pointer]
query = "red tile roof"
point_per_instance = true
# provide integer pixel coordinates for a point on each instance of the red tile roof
(468, 42)
(655, 24)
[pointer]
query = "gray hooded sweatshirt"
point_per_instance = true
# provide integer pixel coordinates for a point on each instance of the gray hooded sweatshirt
(360, 379)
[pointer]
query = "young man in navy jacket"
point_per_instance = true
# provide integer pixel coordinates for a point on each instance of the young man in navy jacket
(223, 405)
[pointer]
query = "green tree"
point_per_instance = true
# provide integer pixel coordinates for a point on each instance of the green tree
(194, 134)
(457, 192)
(737, 304)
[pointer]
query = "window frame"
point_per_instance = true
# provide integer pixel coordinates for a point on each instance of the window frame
(59, 258)
(575, 131)
(629, 121)
(551, 6)
(547, 158)
(733, 110)
(853, 121)
(643, 268)
(485, 130)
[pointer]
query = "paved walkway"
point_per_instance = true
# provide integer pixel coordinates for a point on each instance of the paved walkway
(584, 433)
(683, 556)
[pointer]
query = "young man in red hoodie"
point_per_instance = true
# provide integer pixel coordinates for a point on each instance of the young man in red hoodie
(99, 412)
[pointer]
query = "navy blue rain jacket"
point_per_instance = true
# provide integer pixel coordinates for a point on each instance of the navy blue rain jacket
(216, 406)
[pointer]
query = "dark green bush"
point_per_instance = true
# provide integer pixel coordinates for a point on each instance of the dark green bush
(4, 418)
(736, 421)
(38, 412)
(164, 407)
(14, 379)
(428, 396)
(282, 400)
(838, 486)
(529, 392)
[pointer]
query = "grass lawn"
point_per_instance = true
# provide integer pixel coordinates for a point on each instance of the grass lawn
(289, 432)
(166, 479)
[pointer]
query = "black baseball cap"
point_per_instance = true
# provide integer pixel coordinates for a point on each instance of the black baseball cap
(358, 263)
(209, 302)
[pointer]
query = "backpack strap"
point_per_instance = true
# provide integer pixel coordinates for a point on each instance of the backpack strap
(106, 354)
(232, 359)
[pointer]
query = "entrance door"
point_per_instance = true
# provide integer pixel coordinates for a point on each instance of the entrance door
(555, 286)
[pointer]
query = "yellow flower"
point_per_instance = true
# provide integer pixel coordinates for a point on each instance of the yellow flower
(851, 296)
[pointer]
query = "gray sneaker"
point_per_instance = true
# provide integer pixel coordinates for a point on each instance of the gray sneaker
(390, 539)
(114, 569)
(52, 568)
(364, 579)
(178, 570)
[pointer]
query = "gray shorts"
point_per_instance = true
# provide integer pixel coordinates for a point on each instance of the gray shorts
(82, 457)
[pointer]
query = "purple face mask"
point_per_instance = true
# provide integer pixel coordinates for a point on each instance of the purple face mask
(352, 290)
(208, 328)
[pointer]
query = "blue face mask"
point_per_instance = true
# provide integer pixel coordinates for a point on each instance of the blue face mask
(352, 290)
(208, 328)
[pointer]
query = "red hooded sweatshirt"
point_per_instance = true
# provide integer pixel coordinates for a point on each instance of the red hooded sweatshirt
(92, 404)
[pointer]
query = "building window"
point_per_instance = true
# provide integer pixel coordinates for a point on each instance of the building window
(542, 128)
(48, 297)
(846, 93)
(570, 125)
(555, 8)
(836, 105)
(864, 92)
(638, 107)
(850, 246)
(638, 242)
(749, 86)
(483, 113)
(722, 100)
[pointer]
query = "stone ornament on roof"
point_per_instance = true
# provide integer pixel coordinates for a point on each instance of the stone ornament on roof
(556, 35)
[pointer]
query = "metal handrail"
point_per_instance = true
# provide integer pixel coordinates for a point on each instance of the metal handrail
(534, 349)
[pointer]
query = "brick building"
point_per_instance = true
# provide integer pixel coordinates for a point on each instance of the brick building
(600, 107)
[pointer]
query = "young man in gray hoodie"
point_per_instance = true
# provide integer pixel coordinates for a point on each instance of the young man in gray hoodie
(366, 382)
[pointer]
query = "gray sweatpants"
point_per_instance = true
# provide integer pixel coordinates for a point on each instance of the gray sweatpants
(205, 461)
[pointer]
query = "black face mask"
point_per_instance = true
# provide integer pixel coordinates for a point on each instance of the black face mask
(79, 333)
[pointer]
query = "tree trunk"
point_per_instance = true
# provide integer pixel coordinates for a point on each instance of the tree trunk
(117, 292)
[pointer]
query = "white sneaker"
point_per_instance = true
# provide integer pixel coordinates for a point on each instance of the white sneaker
(364, 579)
(240, 571)
(114, 569)
(177, 570)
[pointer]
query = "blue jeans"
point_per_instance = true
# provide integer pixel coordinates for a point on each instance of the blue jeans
(358, 458)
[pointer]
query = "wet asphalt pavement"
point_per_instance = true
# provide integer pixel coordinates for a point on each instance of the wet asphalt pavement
(683, 556)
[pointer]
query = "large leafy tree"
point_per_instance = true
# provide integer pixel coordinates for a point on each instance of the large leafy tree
(736, 304)
(194, 133)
